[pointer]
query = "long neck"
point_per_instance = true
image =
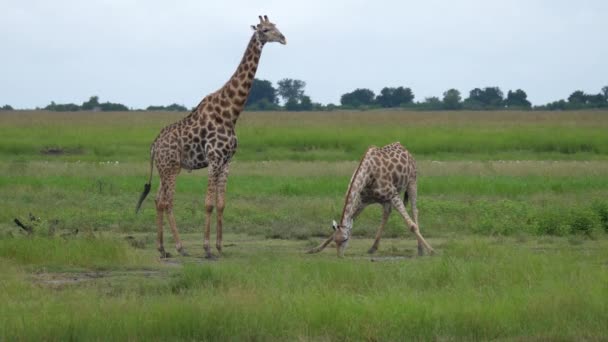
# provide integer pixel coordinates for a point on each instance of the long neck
(233, 95)
(352, 202)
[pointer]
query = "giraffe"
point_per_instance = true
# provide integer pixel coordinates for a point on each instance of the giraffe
(381, 175)
(206, 138)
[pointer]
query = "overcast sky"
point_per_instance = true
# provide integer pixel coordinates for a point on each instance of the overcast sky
(159, 52)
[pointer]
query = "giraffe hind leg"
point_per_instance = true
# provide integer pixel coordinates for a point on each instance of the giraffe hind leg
(164, 206)
(159, 225)
(412, 193)
(398, 204)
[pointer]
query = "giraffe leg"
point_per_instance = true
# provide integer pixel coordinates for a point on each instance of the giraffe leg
(385, 213)
(210, 200)
(221, 192)
(331, 237)
(398, 204)
(169, 193)
(178, 243)
(159, 237)
(321, 246)
(161, 204)
(412, 193)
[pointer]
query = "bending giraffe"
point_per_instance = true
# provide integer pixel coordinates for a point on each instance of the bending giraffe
(381, 176)
(206, 138)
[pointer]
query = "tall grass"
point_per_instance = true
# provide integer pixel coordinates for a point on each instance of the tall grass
(88, 252)
(317, 136)
(475, 290)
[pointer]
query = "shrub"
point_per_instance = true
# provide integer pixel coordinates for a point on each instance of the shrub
(583, 221)
(601, 209)
(552, 223)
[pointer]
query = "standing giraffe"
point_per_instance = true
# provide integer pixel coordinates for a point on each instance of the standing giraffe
(381, 175)
(206, 138)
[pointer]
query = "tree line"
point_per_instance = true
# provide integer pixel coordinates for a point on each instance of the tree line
(265, 97)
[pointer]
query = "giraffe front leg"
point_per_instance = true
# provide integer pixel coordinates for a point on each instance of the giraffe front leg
(321, 246)
(398, 204)
(210, 200)
(221, 201)
(386, 211)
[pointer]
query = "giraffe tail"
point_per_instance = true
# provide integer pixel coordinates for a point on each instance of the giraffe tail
(148, 185)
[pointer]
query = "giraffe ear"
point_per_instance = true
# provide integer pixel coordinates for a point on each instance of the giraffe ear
(334, 225)
(254, 28)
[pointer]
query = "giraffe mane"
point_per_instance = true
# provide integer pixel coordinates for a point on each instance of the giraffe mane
(350, 185)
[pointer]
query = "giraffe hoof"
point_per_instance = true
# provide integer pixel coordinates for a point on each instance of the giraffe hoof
(210, 256)
(372, 250)
(164, 255)
(420, 251)
(182, 252)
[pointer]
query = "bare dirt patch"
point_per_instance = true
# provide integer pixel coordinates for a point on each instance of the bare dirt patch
(62, 279)
(59, 151)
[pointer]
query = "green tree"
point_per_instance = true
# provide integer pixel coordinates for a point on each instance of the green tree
(395, 97)
(306, 103)
(431, 103)
(577, 98)
(92, 104)
(596, 101)
(517, 99)
(452, 99)
(557, 105)
(292, 105)
(263, 104)
(291, 89)
(174, 107)
(605, 93)
(357, 98)
(262, 90)
(487, 98)
(62, 107)
(112, 107)
(6, 107)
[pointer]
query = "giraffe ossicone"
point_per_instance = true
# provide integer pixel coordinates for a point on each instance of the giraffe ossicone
(381, 176)
(206, 138)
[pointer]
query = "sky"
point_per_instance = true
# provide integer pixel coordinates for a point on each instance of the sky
(153, 52)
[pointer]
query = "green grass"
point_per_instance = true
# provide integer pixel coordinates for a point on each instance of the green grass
(319, 136)
(476, 289)
(514, 203)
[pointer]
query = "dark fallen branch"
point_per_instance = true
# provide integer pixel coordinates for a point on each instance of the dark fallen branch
(28, 230)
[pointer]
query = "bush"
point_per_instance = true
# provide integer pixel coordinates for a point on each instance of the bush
(583, 221)
(552, 223)
(601, 209)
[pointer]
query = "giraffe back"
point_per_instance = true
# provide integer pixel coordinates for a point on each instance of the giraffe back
(388, 171)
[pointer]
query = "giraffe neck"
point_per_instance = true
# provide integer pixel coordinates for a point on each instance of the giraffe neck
(229, 101)
(352, 202)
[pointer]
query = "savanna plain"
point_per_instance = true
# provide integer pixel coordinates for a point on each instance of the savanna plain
(514, 203)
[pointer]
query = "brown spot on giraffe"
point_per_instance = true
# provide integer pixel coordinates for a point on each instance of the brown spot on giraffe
(191, 144)
(372, 183)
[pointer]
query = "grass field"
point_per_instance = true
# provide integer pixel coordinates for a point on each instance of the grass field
(515, 203)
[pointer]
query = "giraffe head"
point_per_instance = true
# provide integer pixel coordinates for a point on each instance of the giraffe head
(341, 236)
(268, 32)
